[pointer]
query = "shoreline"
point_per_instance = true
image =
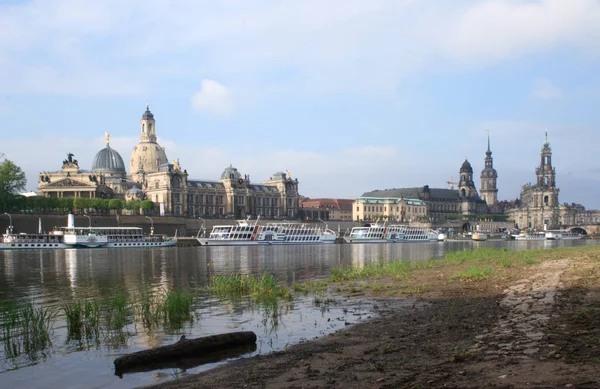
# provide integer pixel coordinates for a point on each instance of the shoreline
(509, 319)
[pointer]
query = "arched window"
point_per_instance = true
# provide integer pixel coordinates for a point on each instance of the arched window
(143, 127)
(464, 193)
(545, 200)
(149, 127)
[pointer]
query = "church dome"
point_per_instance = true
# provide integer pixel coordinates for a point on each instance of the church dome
(466, 167)
(148, 115)
(108, 160)
(147, 156)
(230, 173)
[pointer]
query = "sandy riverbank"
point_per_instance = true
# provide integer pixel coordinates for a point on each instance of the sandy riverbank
(523, 323)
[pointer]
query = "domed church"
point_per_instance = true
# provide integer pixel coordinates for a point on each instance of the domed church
(148, 156)
(152, 177)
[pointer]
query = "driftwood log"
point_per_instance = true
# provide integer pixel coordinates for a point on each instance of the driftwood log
(204, 347)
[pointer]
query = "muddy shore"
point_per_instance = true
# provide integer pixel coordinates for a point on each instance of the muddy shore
(525, 325)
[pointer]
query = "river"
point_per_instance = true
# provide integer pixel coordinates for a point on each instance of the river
(51, 277)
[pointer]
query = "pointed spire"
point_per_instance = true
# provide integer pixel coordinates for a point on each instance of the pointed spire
(488, 131)
(546, 143)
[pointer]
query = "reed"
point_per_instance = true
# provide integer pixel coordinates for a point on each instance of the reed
(239, 285)
(83, 319)
(171, 309)
(26, 329)
(177, 309)
(118, 311)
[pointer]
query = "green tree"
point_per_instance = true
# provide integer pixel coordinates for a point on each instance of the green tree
(66, 204)
(100, 205)
(147, 205)
(132, 205)
(12, 180)
(81, 204)
(115, 204)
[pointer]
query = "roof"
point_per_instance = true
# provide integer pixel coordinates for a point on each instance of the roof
(108, 160)
(435, 194)
(389, 200)
(205, 184)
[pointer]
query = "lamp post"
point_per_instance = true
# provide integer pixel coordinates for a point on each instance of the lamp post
(10, 226)
(151, 225)
(201, 228)
(89, 221)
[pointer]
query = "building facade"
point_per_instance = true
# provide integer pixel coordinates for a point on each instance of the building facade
(397, 209)
(233, 195)
(107, 179)
(173, 192)
(331, 209)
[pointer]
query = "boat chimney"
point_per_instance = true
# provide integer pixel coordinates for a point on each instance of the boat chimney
(71, 221)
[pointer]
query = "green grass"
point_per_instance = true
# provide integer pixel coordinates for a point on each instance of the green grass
(474, 273)
(239, 285)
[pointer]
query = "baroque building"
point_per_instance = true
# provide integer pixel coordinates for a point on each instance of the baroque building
(406, 204)
(538, 206)
(233, 195)
(107, 179)
(152, 177)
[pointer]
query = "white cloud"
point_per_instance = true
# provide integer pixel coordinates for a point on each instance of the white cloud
(544, 90)
(329, 47)
(213, 98)
(494, 30)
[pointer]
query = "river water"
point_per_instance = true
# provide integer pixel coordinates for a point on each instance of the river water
(51, 277)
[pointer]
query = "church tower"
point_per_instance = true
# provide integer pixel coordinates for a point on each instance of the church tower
(547, 194)
(148, 126)
(466, 186)
(148, 156)
(489, 177)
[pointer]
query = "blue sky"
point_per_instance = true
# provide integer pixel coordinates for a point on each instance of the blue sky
(350, 96)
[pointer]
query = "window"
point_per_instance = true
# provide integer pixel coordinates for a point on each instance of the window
(200, 199)
(240, 200)
(156, 184)
(209, 199)
(176, 197)
(220, 199)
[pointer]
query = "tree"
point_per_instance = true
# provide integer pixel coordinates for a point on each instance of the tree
(115, 204)
(100, 205)
(147, 205)
(12, 180)
(81, 203)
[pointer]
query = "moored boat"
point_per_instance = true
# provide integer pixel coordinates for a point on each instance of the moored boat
(382, 233)
(561, 234)
(530, 236)
(479, 236)
(245, 233)
(84, 237)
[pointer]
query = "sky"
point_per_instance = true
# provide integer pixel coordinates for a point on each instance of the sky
(348, 95)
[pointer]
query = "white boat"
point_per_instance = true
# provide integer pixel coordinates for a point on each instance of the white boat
(382, 233)
(93, 237)
(84, 237)
(11, 241)
(561, 234)
(245, 233)
(530, 236)
(479, 236)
